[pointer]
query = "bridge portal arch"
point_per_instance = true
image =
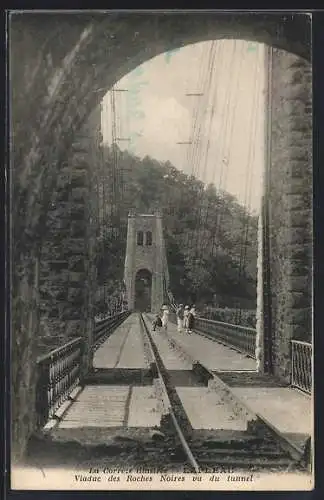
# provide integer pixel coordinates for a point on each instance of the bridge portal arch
(143, 290)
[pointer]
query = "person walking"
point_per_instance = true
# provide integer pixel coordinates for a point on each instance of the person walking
(165, 317)
(191, 319)
(180, 316)
(157, 323)
(185, 318)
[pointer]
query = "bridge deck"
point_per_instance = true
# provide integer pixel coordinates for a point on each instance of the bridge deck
(113, 406)
(130, 403)
(213, 355)
(123, 349)
(285, 408)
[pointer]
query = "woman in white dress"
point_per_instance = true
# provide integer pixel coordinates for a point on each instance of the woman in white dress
(185, 319)
(165, 317)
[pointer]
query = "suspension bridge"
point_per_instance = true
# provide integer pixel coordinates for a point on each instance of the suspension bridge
(201, 392)
(104, 384)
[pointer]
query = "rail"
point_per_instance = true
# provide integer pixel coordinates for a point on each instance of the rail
(301, 369)
(58, 374)
(168, 392)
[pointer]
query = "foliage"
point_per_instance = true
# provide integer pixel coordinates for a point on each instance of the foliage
(233, 316)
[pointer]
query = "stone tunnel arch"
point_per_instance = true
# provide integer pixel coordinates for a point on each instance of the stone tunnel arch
(81, 72)
(71, 72)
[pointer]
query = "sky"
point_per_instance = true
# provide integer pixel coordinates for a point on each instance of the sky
(224, 126)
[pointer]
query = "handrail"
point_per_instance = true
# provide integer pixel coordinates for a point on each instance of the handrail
(52, 353)
(230, 325)
(301, 342)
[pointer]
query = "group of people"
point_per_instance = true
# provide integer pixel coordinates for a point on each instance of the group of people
(185, 319)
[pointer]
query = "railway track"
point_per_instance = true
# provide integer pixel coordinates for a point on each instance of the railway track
(261, 446)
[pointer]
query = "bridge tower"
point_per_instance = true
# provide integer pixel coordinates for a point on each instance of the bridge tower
(145, 275)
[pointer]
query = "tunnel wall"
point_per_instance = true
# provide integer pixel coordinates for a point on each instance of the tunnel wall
(290, 205)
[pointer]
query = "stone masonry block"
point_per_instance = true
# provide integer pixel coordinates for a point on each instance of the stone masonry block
(302, 332)
(299, 267)
(76, 295)
(301, 251)
(54, 312)
(300, 235)
(58, 266)
(74, 328)
(301, 317)
(63, 194)
(75, 246)
(79, 162)
(78, 194)
(63, 179)
(77, 264)
(76, 278)
(78, 181)
(300, 218)
(298, 185)
(299, 283)
(300, 201)
(298, 300)
(78, 229)
(58, 224)
(301, 166)
(78, 213)
(72, 312)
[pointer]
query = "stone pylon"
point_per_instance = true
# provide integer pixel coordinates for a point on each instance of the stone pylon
(145, 251)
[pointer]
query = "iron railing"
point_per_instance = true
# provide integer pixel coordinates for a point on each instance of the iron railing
(301, 365)
(239, 337)
(104, 327)
(59, 371)
(58, 374)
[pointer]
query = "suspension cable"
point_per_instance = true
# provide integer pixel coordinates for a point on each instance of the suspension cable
(248, 183)
(228, 154)
(218, 156)
(197, 148)
(213, 104)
